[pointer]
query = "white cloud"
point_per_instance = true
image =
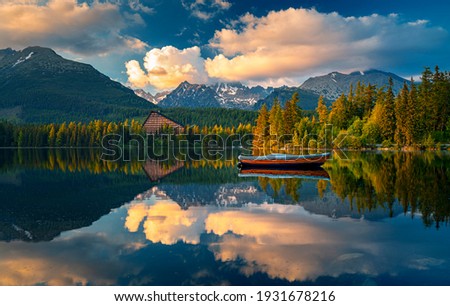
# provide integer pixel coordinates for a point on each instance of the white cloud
(67, 25)
(297, 42)
(205, 9)
(285, 47)
(136, 5)
(165, 222)
(167, 67)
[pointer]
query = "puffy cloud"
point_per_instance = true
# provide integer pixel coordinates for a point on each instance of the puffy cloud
(267, 228)
(205, 9)
(165, 222)
(167, 67)
(67, 25)
(296, 42)
(136, 5)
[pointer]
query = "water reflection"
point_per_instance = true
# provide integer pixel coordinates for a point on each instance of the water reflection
(287, 242)
(361, 221)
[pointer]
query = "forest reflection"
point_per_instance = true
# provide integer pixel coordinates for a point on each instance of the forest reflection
(418, 181)
(80, 160)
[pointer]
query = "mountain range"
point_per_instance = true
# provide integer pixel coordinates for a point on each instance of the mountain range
(332, 85)
(38, 85)
(237, 95)
(228, 95)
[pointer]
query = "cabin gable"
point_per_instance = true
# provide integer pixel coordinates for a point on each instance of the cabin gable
(156, 121)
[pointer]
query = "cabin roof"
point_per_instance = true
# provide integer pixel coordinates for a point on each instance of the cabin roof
(153, 111)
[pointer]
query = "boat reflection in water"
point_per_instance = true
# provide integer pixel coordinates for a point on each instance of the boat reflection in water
(312, 174)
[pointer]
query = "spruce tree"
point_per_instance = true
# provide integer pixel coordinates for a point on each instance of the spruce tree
(261, 130)
(338, 115)
(322, 111)
(401, 115)
(388, 122)
(291, 114)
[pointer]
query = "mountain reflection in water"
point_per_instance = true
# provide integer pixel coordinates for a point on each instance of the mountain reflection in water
(377, 219)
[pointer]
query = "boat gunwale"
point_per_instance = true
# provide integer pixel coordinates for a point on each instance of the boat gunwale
(283, 157)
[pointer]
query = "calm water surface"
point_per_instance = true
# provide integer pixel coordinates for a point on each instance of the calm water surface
(376, 219)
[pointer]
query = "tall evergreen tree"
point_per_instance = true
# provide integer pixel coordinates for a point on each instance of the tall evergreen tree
(261, 130)
(426, 118)
(414, 127)
(322, 111)
(292, 114)
(441, 100)
(401, 115)
(338, 116)
(52, 136)
(388, 103)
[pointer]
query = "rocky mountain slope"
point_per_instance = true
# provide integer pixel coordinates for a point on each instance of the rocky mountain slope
(228, 95)
(332, 85)
(38, 85)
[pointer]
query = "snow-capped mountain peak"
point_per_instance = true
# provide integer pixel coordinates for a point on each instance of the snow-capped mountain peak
(228, 95)
(332, 85)
(155, 99)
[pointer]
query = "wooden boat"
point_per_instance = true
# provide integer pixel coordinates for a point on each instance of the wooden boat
(309, 174)
(283, 160)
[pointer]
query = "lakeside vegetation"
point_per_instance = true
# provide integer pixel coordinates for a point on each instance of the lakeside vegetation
(89, 134)
(419, 117)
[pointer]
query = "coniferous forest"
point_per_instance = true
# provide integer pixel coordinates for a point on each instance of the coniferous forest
(418, 116)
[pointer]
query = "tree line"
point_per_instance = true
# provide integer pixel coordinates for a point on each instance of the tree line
(70, 134)
(90, 134)
(419, 116)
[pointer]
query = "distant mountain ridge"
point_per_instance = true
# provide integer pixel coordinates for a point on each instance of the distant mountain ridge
(332, 85)
(237, 95)
(228, 95)
(190, 95)
(155, 99)
(308, 99)
(38, 85)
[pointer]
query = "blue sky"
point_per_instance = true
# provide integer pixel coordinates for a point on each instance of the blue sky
(155, 44)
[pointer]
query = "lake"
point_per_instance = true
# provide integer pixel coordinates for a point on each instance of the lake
(69, 218)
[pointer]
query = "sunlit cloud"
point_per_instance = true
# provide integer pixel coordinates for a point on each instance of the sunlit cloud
(284, 47)
(165, 222)
(81, 28)
(64, 262)
(167, 67)
(296, 42)
(267, 224)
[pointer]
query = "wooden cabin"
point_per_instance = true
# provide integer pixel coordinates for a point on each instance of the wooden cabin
(156, 170)
(156, 121)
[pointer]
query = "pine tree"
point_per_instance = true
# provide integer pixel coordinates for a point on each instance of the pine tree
(322, 111)
(276, 123)
(368, 100)
(426, 118)
(61, 135)
(261, 130)
(414, 126)
(51, 136)
(387, 122)
(291, 114)
(441, 100)
(401, 116)
(338, 114)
